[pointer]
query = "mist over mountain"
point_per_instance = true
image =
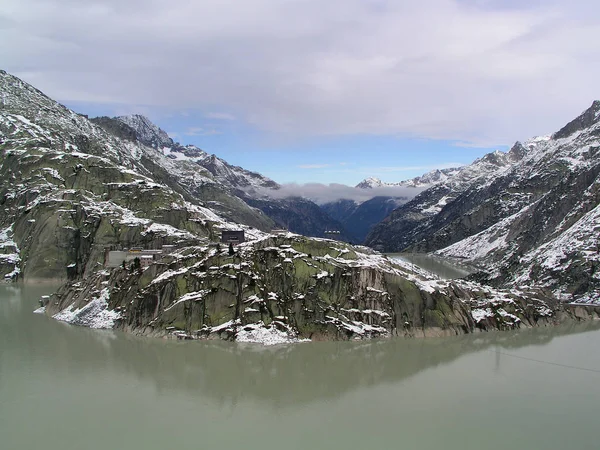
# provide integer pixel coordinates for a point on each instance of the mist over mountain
(326, 193)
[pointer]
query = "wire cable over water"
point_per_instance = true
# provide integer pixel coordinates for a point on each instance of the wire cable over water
(567, 366)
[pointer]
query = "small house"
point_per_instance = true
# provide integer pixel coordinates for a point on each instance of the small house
(234, 237)
(146, 260)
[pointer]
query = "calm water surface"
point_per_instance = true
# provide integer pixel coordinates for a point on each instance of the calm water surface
(442, 267)
(63, 387)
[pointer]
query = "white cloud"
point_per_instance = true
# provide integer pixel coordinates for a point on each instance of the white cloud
(479, 72)
(313, 166)
(219, 116)
(200, 131)
(324, 193)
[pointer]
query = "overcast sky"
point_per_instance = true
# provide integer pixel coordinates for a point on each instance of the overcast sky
(314, 90)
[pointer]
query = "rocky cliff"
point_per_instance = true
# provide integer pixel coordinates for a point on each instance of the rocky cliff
(285, 288)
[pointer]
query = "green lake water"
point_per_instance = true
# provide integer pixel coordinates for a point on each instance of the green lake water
(64, 387)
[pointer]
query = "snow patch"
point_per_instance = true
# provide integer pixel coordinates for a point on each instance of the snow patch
(93, 315)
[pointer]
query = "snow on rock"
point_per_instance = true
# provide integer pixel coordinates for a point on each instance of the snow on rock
(480, 314)
(9, 252)
(168, 230)
(190, 296)
(259, 333)
(169, 274)
(489, 240)
(358, 329)
(93, 315)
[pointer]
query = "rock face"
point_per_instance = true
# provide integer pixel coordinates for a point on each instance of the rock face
(294, 287)
(529, 215)
(146, 132)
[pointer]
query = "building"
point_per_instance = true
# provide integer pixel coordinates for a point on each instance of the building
(234, 237)
(279, 231)
(146, 260)
(332, 234)
(115, 258)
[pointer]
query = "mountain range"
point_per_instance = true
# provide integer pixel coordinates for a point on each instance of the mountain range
(73, 189)
(529, 215)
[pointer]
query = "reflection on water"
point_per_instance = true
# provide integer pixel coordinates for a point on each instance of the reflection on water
(443, 267)
(78, 381)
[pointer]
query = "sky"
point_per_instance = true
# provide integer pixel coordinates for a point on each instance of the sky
(312, 91)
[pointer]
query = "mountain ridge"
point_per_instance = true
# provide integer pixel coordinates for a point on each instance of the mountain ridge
(528, 215)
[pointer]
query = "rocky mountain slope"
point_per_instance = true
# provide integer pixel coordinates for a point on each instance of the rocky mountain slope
(69, 190)
(297, 214)
(528, 215)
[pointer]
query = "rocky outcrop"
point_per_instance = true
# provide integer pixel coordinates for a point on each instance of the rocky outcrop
(146, 132)
(295, 287)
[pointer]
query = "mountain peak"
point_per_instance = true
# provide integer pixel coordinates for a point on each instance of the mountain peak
(147, 132)
(586, 119)
(369, 183)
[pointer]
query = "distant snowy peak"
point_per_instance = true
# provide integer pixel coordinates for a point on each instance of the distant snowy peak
(434, 177)
(147, 133)
(424, 181)
(370, 183)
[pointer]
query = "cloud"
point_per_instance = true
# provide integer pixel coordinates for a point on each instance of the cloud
(477, 72)
(219, 116)
(313, 166)
(324, 193)
(199, 131)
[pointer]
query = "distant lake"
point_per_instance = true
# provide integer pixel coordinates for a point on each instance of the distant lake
(443, 267)
(64, 387)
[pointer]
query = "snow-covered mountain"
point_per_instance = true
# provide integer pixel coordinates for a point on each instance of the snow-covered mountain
(234, 177)
(70, 190)
(297, 214)
(146, 132)
(424, 181)
(359, 217)
(528, 215)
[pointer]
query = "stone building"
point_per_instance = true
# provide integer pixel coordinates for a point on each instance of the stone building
(232, 236)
